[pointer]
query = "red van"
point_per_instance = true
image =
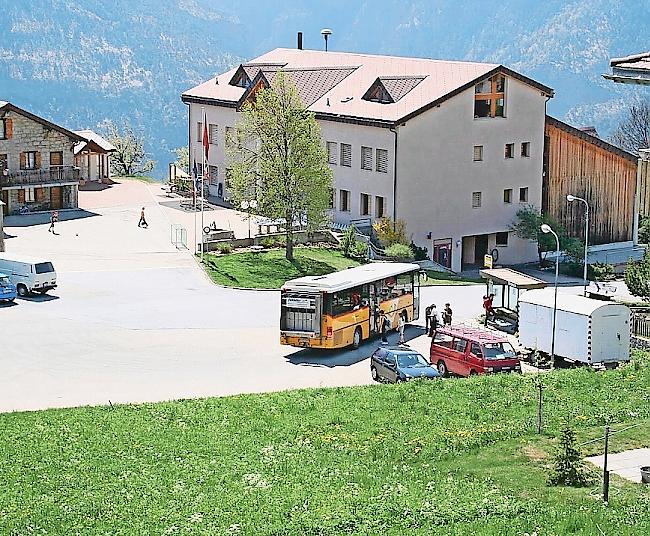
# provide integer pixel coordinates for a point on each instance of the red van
(466, 351)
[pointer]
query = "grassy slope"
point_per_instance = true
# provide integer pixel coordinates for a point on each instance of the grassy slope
(443, 278)
(270, 269)
(443, 457)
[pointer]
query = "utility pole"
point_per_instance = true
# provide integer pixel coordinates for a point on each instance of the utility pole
(605, 471)
(2, 228)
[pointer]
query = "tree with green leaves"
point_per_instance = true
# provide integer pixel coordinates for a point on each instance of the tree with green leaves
(637, 276)
(182, 158)
(129, 157)
(278, 159)
(528, 226)
(568, 468)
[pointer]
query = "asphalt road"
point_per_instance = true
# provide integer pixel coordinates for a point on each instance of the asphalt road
(136, 320)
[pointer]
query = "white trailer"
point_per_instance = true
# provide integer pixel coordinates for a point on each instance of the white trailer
(586, 330)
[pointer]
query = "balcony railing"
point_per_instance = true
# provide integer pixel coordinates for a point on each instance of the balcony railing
(40, 176)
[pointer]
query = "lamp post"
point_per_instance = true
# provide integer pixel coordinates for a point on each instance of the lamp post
(547, 229)
(248, 206)
(570, 198)
(326, 32)
(2, 229)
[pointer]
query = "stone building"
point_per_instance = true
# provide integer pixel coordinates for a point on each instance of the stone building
(37, 170)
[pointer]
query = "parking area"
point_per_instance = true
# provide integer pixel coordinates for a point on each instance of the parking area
(134, 319)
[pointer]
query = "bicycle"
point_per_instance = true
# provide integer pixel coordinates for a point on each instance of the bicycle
(210, 228)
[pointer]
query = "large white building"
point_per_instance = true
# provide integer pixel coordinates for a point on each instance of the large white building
(452, 148)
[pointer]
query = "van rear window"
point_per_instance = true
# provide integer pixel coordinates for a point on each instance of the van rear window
(442, 339)
(44, 267)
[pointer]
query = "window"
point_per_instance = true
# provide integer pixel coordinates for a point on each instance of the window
(507, 195)
(3, 163)
(346, 155)
(478, 153)
(475, 349)
(29, 195)
(365, 205)
(476, 199)
(460, 345)
(509, 150)
(502, 239)
(3, 129)
(442, 339)
(489, 97)
(525, 149)
(366, 158)
(199, 132)
(332, 149)
(523, 195)
(214, 175)
(199, 170)
(382, 160)
(30, 160)
(213, 132)
(56, 158)
(379, 206)
(344, 200)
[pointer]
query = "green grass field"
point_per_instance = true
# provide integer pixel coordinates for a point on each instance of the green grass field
(443, 278)
(456, 456)
(270, 269)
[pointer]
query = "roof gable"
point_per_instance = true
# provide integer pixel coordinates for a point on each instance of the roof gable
(7, 106)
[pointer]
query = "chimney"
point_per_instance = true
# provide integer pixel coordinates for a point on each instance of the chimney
(299, 40)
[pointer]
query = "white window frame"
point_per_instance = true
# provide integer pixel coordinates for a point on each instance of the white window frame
(369, 207)
(30, 195)
(478, 149)
(512, 151)
(523, 189)
(366, 158)
(525, 149)
(3, 129)
(344, 206)
(509, 201)
(383, 206)
(30, 165)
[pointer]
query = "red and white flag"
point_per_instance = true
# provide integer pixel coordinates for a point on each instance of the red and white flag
(206, 137)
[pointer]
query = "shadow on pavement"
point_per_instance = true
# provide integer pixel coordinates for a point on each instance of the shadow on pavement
(41, 218)
(97, 186)
(40, 298)
(347, 357)
(7, 304)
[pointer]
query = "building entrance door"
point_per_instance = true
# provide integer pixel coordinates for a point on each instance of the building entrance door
(442, 252)
(480, 248)
(56, 197)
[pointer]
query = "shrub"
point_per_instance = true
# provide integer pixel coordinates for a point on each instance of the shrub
(390, 232)
(420, 253)
(600, 271)
(349, 241)
(569, 468)
(399, 251)
(637, 277)
(267, 243)
(273, 242)
(224, 249)
(360, 250)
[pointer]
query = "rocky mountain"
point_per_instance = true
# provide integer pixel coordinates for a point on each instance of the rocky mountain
(82, 63)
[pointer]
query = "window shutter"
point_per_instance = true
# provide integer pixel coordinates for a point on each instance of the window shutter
(214, 132)
(21, 196)
(332, 156)
(199, 131)
(23, 160)
(9, 128)
(37, 160)
(39, 194)
(346, 154)
(366, 158)
(382, 160)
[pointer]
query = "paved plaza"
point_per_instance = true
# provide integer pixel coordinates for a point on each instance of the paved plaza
(134, 319)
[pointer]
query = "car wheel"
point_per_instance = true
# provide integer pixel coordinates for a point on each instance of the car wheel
(473, 373)
(374, 374)
(442, 368)
(22, 291)
(356, 340)
(399, 380)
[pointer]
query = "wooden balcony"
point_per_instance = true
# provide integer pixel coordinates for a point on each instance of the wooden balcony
(37, 177)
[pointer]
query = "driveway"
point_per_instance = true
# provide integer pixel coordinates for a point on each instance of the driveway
(134, 319)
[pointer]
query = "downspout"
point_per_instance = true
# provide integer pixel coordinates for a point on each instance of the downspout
(394, 131)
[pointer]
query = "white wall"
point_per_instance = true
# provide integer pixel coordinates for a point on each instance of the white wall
(437, 175)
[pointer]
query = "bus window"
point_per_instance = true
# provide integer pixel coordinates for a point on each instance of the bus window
(404, 284)
(342, 302)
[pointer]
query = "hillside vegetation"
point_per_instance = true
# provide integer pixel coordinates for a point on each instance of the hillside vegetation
(452, 456)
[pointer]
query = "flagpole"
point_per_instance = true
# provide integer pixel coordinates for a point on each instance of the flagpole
(205, 163)
(194, 204)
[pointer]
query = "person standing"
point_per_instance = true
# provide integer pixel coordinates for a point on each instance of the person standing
(427, 314)
(383, 326)
(401, 325)
(433, 320)
(487, 305)
(143, 221)
(447, 315)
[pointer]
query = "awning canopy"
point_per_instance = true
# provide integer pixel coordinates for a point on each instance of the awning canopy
(512, 278)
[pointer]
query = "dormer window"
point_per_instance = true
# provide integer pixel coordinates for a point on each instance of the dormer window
(241, 81)
(379, 94)
(489, 97)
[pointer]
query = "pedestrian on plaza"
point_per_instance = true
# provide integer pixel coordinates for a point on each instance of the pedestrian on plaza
(434, 321)
(143, 222)
(54, 217)
(401, 325)
(384, 325)
(427, 312)
(487, 305)
(447, 314)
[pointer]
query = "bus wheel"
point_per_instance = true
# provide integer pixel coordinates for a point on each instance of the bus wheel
(22, 291)
(442, 368)
(356, 340)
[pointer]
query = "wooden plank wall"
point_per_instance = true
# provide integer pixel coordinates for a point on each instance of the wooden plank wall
(604, 178)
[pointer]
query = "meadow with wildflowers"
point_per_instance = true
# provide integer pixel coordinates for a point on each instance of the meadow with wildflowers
(458, 456)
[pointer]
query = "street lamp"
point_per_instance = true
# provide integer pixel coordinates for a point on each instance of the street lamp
(547, 229)
(248, 206)
(2, 229)
(326, 32)
(570, 198)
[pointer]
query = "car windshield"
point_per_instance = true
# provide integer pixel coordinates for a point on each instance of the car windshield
(499, 350)
(44, 267)
(4, 280)
(411, 360)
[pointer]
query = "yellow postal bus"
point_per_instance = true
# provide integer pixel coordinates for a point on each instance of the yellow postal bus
(342, 309)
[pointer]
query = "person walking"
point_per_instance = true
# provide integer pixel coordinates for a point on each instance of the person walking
(383, 326)
(427, 314)
(143, 221)
(54, 216)
(447, 315)
(401, 325)
(487, 305)
(433, 320)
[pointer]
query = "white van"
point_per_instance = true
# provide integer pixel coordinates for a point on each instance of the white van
(28, 274)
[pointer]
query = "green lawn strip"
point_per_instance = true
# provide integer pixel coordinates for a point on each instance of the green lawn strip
(270, 269)
(444, 278)
(454, 456)
(141, 178)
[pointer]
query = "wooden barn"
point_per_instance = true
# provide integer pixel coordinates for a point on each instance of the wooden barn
(583, 165)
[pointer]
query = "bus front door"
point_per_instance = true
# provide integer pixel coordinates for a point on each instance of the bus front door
(373, 310)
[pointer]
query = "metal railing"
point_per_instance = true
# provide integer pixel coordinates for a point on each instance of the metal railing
(40, 176)
(641, 325)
